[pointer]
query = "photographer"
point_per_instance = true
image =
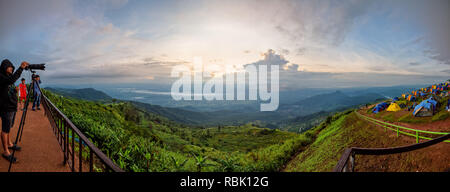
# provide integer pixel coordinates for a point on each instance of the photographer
(8, 103)
(37, 93)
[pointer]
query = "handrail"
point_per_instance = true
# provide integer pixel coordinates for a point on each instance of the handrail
(401, 127)
(417, 131)
(351, 152)
(62, 126)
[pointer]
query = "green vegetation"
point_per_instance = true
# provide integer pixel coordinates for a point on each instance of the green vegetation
(440, 116)
(389, 118)
(142, 137)
(86, 94)
(298, 117)
(409, 118)
(324, 152)
(137, 140)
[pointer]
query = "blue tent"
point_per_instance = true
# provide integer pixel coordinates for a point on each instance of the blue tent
(379, 107)
(426, 105)
(430, 100)
(395, 99)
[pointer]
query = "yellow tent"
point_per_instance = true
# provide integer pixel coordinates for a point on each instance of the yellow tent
(394, 107)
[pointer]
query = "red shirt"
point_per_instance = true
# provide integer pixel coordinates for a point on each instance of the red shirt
(23, 90)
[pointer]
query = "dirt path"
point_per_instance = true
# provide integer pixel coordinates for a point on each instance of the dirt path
(40, 149)
(433, 158)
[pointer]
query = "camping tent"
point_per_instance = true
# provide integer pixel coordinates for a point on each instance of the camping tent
(393, 107)
(379, 107)
(425, 108)
(395, 99)
(435, 91)
(411, 98)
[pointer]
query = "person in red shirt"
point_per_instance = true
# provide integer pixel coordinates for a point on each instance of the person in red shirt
(23, 93)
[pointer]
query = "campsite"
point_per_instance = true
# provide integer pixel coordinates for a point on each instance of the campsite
(427, 108)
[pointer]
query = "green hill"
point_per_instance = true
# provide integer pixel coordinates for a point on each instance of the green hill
(328, 102)
(138, 140)
(144, 137)
(348, 130)
(345, 130)
(86, 93)
(298, 117)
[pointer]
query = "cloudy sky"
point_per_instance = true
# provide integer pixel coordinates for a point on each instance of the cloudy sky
(320, 43)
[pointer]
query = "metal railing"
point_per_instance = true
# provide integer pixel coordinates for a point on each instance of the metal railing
(403, 130)
(71, 138)
(347, 161)
(349, 154)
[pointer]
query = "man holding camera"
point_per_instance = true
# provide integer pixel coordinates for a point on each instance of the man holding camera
(8, 103)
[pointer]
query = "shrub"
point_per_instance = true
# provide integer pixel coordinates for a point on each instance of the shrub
(440, 116)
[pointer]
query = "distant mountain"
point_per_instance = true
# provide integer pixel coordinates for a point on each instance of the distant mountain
(175, 114)
(327, 102)
(222, 117)
(86, 94)
(301, 115)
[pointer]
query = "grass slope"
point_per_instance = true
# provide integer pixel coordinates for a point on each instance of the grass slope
(324, 152)
(351, 131)
(140, 141)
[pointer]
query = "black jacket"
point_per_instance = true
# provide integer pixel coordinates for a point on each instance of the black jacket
(8, 92)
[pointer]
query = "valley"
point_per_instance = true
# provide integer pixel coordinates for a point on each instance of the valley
(307, 135)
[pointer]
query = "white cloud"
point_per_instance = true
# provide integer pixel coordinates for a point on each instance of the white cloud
(78, 40)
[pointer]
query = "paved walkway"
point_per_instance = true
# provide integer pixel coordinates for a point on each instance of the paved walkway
(40, 149)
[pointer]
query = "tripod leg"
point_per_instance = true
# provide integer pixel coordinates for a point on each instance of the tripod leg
(21, 124)
(27, 103)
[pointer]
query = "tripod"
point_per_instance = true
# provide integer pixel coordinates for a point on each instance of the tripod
(24, 116)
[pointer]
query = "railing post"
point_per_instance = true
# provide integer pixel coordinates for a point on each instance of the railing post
(417, 136)
(352, 162)
(91, 160)
(66, 138)
(60, 133)
(73, 151)
(345, 168)
(63, 140)
(80, 156)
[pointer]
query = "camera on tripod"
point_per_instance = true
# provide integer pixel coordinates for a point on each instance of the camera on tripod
(36, 67)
